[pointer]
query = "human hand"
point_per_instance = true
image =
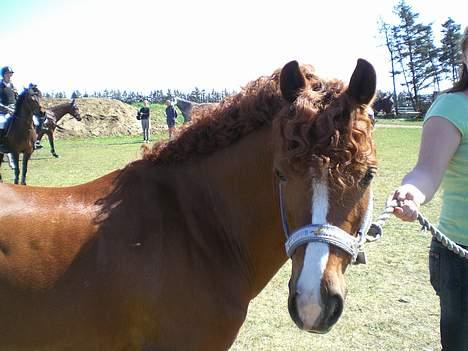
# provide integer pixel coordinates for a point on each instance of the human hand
(406, 201)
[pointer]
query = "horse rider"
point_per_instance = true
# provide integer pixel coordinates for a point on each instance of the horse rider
(39, 124)
(8, 95)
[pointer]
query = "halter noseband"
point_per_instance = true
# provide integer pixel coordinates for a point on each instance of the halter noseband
(327, 233)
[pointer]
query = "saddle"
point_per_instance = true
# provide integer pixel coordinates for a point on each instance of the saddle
(44, 123)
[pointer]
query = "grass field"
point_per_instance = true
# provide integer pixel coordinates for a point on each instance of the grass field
(407, 122)
(390, 304)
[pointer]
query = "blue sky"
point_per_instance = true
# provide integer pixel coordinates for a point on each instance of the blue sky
(89, 45)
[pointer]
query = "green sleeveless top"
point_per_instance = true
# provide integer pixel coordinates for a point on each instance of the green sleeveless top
(453, 220)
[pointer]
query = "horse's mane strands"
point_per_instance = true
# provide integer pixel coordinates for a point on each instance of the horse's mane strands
(326, 128)
(20, 100)
(218, 127)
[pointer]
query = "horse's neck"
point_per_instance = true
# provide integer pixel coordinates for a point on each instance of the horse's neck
(24, 116)
(240, 179)
(60, 111)
(22, 126)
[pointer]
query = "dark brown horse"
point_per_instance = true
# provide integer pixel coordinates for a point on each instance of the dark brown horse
(55, 114)
(167, 253)
(384, 103)
(21, 135)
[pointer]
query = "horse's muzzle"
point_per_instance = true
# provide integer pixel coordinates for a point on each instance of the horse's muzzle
(316, 318)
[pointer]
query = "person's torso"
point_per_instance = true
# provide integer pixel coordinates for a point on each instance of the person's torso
(454, 214)
(7, 94)
(170, 112)
(144, 113)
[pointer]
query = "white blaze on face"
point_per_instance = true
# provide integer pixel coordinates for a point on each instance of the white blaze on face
(315, 260)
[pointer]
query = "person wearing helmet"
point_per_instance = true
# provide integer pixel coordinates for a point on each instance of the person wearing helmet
(8, 93)
(8, 96)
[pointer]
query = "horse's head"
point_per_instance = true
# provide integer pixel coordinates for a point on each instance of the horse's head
(29, 102)
(324, 163)
(75, 112)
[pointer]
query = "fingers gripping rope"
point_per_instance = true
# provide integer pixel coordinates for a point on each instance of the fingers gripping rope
(375, 232)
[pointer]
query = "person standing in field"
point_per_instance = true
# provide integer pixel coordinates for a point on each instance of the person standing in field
(171, 115)
(443, 158)
(144, 117)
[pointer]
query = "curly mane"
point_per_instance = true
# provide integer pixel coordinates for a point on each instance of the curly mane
(322, 129)
(328, 132)
(221, 125)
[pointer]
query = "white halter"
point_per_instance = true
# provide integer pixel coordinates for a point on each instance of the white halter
(327, 233)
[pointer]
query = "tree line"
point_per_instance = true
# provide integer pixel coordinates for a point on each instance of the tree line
(415, 57)
(156, 96)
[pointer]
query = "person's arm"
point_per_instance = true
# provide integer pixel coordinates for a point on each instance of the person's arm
(6, 109)
(439, 142)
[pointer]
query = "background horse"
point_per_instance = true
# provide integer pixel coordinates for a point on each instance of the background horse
(384, 103)
(21, 135)
(187, 107)
(167, 253)
(55, 114)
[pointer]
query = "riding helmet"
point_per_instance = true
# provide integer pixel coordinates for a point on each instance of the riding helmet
(6, 69)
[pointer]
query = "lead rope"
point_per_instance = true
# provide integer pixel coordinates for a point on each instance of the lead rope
(375, 231)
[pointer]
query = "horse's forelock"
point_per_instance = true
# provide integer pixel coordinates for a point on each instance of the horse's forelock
(326, 133)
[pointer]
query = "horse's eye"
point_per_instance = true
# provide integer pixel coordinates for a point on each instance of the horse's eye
(366, 180)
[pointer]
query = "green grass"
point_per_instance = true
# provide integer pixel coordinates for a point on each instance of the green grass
(400, 121)
(390, 304)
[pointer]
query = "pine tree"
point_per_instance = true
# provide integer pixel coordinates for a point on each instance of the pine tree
(415, 52)
(450, 55)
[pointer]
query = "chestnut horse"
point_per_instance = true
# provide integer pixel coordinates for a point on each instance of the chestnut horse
(55, 114)
(168, 252)
(21, 135)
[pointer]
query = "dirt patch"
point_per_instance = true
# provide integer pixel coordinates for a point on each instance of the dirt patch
(100, 117)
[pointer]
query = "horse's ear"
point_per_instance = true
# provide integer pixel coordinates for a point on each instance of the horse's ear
(363, 82)
(291, 81)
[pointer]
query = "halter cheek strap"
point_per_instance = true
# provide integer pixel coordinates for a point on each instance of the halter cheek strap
(327, 233)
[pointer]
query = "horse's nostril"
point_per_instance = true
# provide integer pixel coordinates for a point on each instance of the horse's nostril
(333, 309)
(292, 307)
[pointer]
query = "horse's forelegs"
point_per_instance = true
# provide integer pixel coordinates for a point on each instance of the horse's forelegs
(52, 146)
(15, 157)
(1, 160)
(25, 168)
